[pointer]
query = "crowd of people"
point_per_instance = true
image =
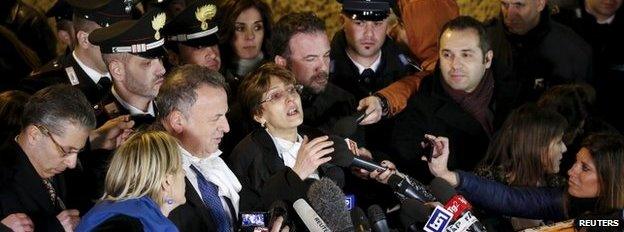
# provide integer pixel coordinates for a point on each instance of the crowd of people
(184, 115)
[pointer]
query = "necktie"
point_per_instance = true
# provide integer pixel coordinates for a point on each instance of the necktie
(210, 195)
(367, 75)
(104, 84)
(56, 200)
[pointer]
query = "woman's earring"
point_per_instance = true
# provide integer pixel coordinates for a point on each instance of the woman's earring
(169, 200)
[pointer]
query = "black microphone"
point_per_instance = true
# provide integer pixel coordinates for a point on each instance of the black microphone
(347, 126)
(328, 201)
(410, 188)
(378, 219)
(456, 204)
(360, 221)
(344, 157)
(414, 215)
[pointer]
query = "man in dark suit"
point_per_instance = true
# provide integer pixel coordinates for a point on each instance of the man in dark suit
(458, 101)
(132, 51)
(193, 103)
(84, 67)
(56, 124)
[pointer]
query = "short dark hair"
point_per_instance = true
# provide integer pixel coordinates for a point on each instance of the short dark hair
(292, 24)
(55, 104)
(258, 82)
(465, 23)
(178, 91)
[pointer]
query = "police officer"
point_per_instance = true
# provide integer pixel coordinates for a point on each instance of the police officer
(132, 51)
(364, 58)
(84, 67)
(192, 36)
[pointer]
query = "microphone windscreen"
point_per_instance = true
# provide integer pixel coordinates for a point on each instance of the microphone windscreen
(360, 221)
(328, 200)
(346, 126)
(342, 155)
(376, 213)
(442, 189)
(413, 211)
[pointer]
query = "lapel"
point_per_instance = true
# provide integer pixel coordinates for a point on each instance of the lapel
(30, 184)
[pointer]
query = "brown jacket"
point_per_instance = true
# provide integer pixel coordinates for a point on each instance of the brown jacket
(423, 20)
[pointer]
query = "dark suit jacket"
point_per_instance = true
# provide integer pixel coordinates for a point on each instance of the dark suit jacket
(265, 178)
(193, 215)
(433, 111)
(22, 190)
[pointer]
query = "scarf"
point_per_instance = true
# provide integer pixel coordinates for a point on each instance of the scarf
(477, 102)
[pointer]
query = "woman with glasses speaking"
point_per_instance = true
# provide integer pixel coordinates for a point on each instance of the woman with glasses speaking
(279, 160)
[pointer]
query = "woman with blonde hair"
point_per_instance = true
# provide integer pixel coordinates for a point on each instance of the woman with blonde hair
(144, 183)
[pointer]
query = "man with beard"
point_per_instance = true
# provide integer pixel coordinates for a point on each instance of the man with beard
(83, 67)
(366, 60)
(132, 51)
(301, 45)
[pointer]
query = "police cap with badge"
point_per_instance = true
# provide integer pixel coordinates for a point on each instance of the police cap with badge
(103, 12)
(366, 10)
(194, 26)
(142, 37)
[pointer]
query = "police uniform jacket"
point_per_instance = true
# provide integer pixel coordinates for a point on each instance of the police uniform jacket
(65, 70)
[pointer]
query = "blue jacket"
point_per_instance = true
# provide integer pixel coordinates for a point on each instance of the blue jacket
(144, 209)
(526, 202)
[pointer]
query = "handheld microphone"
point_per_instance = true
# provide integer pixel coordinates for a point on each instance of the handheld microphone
(347, 126)
(360, 221)
(413, 215)
(456, 204)
(328, 202)
(378, 219)
(309, 217)
(439, 220)
(410, 188)
(343, 157)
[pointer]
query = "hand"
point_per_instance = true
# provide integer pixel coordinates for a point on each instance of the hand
(439, 159)
(362, 153)
(18, 222)
(310, 155)
(372, 104)
(277, 225)
(112, 134)
(69, 218)
(382, 177)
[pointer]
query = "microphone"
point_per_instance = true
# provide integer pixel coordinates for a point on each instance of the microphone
(347, 126)
(457, 205)
(344, 157)
(309, 217)
(328, 201)
(439, 220)
(410, 188)
(378, 219)
(360, 221)
(413, 215)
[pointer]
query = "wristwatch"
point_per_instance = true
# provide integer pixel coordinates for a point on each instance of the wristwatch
(384, 103)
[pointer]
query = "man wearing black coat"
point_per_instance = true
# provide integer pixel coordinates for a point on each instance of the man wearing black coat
(458, 101)
(56, 124)
(533, 52)
(193, 103)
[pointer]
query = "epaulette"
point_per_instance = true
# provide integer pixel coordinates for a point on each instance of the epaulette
(56, 67)
(53, 65)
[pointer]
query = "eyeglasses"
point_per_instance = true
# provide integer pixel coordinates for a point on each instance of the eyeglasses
(58, 146)
(279, 95)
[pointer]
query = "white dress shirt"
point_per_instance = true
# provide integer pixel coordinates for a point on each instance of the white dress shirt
(216, 171)
(374, 66)
(288, 150)
(92, 73)
(133, 110)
